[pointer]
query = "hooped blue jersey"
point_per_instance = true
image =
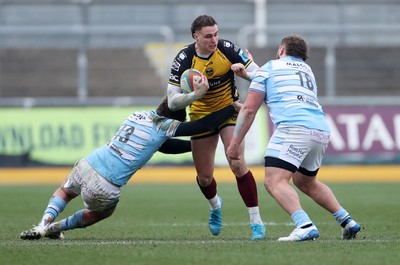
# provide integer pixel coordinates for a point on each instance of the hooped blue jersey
(138, 138)
(291, 93)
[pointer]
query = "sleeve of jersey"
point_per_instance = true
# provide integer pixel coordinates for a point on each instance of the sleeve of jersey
(175, 146)
(176, 99)
(259, 81)
(178, 66)
(206, 123)
(234, 53)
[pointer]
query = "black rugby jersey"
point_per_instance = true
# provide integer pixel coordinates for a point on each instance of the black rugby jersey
(217, 68)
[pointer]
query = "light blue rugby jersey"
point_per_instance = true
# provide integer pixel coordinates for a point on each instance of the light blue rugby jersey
(138, 138)
(291, 93)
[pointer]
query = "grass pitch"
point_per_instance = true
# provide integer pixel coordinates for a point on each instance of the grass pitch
(167, 224)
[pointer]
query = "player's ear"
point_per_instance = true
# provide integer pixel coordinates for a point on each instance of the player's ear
(280, 52)
(195, 35)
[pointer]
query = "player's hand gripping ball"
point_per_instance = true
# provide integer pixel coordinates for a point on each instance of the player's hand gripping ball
(187, 79)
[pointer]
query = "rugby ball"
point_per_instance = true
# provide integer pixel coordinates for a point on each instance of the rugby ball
(187, 79)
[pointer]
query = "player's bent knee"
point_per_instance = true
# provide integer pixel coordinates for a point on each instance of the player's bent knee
(238, 167)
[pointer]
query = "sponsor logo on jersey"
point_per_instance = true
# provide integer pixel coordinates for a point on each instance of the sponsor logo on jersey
(213, 82)
(182, 56)
(243, 55)
(175, 65)
(295, 64)
(173, 77)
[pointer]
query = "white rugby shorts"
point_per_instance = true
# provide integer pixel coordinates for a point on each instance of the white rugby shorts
(298, 146)
(97, 193)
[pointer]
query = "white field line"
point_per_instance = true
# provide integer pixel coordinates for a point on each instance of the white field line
(206, 224)
(73, 242)
(144, 242)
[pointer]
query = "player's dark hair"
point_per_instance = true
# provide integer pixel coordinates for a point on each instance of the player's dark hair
(202, 21)
(163, 110)
(295, 46)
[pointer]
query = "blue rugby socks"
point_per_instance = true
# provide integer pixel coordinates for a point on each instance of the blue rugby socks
(342, 217)
(300, 218)
(55, 206)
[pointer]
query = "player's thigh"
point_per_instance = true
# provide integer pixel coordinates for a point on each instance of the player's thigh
(101, 195)
(302, 181)
(318, 145)
(73, 182)
(97, 193)
(226, 135)
(275, 175)
(289, 144)
(203, 152)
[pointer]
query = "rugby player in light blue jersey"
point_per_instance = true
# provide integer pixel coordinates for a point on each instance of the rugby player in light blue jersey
(296, 148)
(99, 177)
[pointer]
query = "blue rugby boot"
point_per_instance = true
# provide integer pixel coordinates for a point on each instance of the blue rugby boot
(257, 231)
(350, 230)
(215, 220)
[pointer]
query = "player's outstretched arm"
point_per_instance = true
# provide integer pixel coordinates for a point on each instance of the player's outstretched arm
(206, 123)
(175, 146)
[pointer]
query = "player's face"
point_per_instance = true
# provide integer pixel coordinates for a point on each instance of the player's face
(207, 39)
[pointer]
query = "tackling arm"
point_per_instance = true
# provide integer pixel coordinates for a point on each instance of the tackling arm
(206, 123)
(175, 146)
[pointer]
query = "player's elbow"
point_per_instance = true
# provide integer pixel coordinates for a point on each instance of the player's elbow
(172, 105)
(248, 111)
(174, 98)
